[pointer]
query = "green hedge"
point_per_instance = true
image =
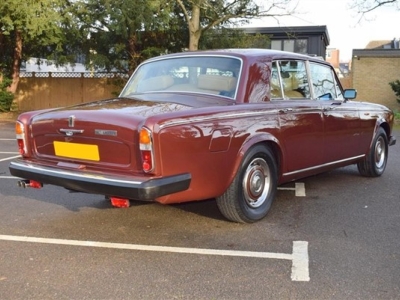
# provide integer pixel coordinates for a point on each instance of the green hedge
(6, 98)
(396, 88)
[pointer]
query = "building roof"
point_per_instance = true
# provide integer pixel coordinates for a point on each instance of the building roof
(378, 44)
(376, 52)
(291, 31)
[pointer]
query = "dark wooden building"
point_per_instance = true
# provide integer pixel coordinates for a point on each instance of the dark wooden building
(311, 40)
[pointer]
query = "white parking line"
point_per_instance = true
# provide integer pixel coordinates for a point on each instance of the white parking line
(299, 256)
(9, 152)
(299, 189)
(8, 158)
(7, 139)
(9, 177)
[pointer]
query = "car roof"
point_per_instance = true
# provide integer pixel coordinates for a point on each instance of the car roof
(249, 53)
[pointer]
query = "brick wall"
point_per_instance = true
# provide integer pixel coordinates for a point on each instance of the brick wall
(371, 77)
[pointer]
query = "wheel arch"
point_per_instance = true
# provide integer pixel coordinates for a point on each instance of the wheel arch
(384, 125)
(260, 139)
(381, 123)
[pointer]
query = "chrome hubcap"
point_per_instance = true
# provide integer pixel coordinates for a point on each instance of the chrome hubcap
(380, 153)
(256, 182)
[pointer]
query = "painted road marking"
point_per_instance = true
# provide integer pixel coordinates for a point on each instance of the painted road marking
(299, 189)
(8, 158)
(7, 139)
(299, 256)
(9, 177)
(9, 152)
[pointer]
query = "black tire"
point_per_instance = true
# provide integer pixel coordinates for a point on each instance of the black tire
(251, 193)
(374, 164)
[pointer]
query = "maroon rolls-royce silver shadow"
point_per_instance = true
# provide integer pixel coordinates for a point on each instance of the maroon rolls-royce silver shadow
(228, 124)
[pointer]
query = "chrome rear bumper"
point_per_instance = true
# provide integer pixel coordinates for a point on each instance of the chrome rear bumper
(135, 188)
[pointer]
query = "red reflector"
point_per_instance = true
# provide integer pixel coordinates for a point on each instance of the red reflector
(21, 146)
(35, 184)
(146, 166)
(119, 202)
(147, 161)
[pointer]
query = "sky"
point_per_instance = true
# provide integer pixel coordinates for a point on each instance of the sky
(345, 29)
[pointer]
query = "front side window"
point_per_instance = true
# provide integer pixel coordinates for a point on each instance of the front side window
(324, 83)
(293, 79)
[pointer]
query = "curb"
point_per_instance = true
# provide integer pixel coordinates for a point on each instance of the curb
(9, 116)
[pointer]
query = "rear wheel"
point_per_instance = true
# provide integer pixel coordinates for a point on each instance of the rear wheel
(250, 195)
(374, 163)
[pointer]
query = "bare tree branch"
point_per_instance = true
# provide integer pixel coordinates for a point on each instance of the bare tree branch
(364, 7)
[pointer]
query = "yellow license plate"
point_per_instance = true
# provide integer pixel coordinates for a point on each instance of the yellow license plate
(74, 150)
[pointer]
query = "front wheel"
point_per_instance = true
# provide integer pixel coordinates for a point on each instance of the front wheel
(250, 195)
(374, 164)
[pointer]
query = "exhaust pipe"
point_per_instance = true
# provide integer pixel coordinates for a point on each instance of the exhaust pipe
(30, 183)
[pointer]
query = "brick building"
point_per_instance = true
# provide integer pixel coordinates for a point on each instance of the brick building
(372, 70)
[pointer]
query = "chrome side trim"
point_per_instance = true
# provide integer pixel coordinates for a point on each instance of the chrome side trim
(324, 165)
(214, 118)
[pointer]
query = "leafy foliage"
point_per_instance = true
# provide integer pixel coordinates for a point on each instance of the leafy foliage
(38, 22)
(118, 35)
(6, 98)
(122, 33)
(395, 85)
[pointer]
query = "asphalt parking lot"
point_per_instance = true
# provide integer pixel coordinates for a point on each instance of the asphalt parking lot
(331, 236)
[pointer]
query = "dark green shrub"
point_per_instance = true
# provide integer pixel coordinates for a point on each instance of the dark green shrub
(395, 85)
(6, 98)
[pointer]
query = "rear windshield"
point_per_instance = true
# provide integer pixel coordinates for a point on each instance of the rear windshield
(195, 74)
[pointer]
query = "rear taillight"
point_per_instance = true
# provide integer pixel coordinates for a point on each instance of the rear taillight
(146, 149)
(21, 139)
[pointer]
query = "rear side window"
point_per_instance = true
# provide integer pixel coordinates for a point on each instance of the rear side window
(324, 83)
(290, 78)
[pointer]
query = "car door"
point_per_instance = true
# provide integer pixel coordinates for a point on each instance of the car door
(341, 119)
(300, 117)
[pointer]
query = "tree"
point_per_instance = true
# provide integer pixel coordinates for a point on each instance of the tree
(34, 23)
(202, 15)
(122, 33)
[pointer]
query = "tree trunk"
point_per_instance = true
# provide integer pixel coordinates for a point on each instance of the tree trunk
(133, 55)
(16, 62)
(194, 29)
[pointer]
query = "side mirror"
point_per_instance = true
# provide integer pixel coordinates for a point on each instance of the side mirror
(350, 94)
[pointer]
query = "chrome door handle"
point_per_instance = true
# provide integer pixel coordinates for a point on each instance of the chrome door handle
(328, 108)
(285, 110)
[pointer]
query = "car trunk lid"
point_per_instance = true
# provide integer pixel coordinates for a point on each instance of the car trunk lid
(101, 134)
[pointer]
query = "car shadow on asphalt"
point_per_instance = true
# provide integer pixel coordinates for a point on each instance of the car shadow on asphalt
(204, 208)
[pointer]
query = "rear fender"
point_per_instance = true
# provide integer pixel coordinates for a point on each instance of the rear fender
(262, 138)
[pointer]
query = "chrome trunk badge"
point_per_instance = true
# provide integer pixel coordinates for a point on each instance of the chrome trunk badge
(105, 132)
